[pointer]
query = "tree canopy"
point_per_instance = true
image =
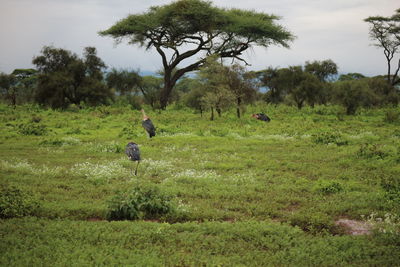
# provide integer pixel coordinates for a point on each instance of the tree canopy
(66, 79)
(185, 28)
(386, 32)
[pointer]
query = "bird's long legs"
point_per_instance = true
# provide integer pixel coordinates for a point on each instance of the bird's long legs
(137, 167)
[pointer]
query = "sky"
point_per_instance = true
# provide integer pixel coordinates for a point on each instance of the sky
(324, 29)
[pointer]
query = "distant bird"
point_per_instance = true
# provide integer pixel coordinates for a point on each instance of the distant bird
(133, 153)
(262, 117)
(148, 125)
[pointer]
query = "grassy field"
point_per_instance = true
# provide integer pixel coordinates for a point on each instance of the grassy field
(229, 192)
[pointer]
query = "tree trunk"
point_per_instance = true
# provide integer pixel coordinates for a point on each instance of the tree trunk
(219, 111)
(14, 98)
(300, 104)
(212, 114)
(239, 101)
(165, 95)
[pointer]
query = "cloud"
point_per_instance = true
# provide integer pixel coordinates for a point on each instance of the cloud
(324, 29)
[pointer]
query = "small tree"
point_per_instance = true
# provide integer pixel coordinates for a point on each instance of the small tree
(193, 99)
(8, 88)
(241, 84)
(26, 83)
(66, 79)
(351, 76)
(187, 29)
(312, 88)
(271, 78)
(124, 81)
(19, 86)
(353, 94)
(386, 32)
(215, 85)
(324, 70)
(150, 86)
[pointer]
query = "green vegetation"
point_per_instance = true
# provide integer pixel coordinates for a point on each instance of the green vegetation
(230, 191)
(234, 191)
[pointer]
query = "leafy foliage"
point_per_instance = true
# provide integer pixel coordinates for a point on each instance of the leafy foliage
(329, 187)
(140, 203)
(391, 185)
(372, 151)
(329, 138)
(123, 81)
(15, 202)
(66, 79)
(32, 128)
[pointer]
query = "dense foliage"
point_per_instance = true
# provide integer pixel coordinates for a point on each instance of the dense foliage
(65, 79)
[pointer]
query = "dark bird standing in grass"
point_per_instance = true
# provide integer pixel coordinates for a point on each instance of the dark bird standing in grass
(262, 117)
(133, 153)
(148, 125)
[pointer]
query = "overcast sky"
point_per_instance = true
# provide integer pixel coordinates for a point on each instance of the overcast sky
(325, 29)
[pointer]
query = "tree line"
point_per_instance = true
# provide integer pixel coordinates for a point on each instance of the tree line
(197, 30)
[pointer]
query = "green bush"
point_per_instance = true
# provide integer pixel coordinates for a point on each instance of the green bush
(16, 203)
(32, 129)
(391, 185)
(36, 119)
(314, 223)
(369, 151)
(329, 138)
(329, 187)
(140, 203)
(392, 116)
(129, 132)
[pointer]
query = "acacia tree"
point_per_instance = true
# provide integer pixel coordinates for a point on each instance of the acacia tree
(194, 29)
(386, 32)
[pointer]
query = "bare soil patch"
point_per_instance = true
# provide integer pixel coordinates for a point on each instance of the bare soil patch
(353, 227)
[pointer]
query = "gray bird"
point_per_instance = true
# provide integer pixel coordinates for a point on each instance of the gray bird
(148, 125)
(133, 153)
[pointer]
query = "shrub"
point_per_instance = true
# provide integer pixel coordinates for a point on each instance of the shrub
(130, 132)
(140, 203)
(329, 138)
(371, 151)
(76, 130)
(111, 147)
(314, 223)
(36, 119)
(391, 185)
(392, 116)
(32, 129)
(329, 187)
(340, 115)
(16, 203)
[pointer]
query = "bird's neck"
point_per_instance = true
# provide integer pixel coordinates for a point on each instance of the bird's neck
(144, 115)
